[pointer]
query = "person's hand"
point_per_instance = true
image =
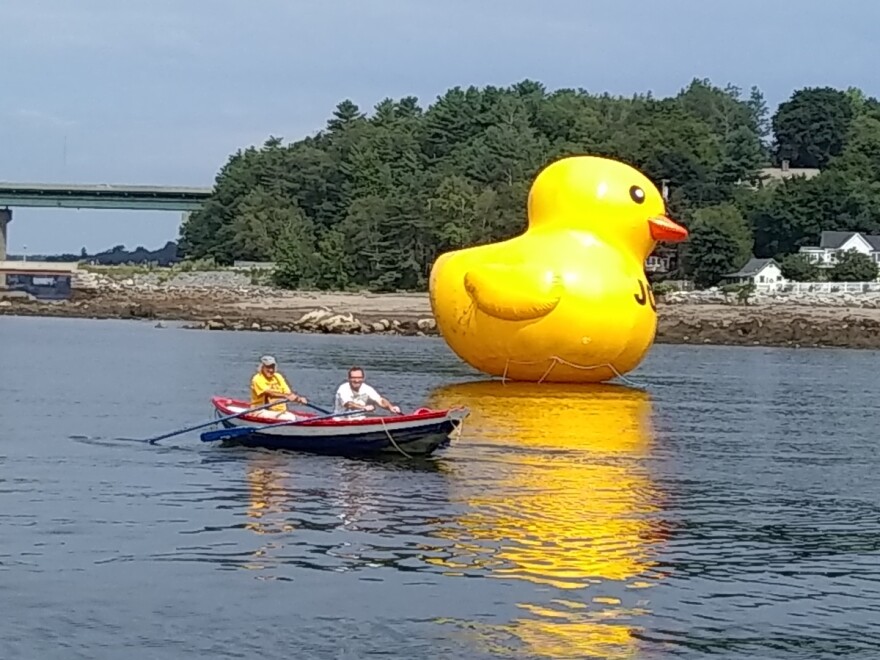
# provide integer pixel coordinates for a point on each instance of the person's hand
(369, 408)
(395, 409)
(303, 400)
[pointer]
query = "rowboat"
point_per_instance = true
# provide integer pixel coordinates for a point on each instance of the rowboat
(418, 433)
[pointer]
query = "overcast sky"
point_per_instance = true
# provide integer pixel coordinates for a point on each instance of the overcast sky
(161, 92)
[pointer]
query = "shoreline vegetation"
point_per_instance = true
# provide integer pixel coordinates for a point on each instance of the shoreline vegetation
(227, 300)
(373, 198)
(370, 201)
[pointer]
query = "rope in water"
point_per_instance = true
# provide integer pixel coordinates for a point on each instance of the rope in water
(456, 430)
(396, 446)
(555, 359)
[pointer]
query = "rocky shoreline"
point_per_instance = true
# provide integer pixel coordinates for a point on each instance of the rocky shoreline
(229, 301)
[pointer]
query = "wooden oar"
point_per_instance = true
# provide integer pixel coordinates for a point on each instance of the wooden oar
(153, 441)
(228, 434)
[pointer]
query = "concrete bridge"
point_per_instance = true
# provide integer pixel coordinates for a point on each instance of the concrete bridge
(100, 196)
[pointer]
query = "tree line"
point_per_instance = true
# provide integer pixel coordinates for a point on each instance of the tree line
(115, 256)
(372, 199)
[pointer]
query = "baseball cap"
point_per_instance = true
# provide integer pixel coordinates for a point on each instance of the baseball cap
(268, 360)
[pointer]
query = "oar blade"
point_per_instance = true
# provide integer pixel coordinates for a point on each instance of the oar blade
(226, 434)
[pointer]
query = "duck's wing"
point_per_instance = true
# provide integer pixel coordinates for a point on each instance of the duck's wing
(513, 292)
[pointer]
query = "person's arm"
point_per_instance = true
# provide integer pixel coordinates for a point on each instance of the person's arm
(382, 402)
(282, 393)
(350, 404)
(260, 390)
(339, 406)
(289, 396)
(286, 393)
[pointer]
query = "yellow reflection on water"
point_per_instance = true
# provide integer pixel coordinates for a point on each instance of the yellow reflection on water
(268, 484)
(275, 508)
(556, 495)
(268, 494)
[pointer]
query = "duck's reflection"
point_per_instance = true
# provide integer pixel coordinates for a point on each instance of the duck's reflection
(565, 502)
(547, 486)
(268, 494)
(268, 483)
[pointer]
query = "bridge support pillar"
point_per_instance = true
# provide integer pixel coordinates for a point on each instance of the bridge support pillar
(5, 219)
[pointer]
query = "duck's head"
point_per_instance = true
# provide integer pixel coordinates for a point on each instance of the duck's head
(605, 198)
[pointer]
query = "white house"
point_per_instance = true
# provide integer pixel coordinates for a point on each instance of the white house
(785, 171)
(769, 176)
(656, 263)
(764, 273)
(832, 243)
(664, 259)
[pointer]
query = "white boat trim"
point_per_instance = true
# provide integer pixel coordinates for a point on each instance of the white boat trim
(328, 427)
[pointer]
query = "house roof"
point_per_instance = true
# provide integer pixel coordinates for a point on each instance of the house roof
(752, 267)
(779, 173)
(832, 240)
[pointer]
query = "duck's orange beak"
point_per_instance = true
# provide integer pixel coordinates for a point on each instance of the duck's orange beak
(664, 229)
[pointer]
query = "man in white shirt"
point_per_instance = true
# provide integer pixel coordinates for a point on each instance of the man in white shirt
(355, 394)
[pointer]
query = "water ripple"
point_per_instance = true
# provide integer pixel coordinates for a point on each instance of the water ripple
(696, 519)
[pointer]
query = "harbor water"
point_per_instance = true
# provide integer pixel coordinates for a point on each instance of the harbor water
(725, 503)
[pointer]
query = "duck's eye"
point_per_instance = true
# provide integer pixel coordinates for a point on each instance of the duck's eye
(637, 194)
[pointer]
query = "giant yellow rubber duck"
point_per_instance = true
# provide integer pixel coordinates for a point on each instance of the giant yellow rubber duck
(568, 300)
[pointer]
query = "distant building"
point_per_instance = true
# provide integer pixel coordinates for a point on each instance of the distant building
(833, 243)
(769, 176)
(663, 260)
(40, 279)
(763, 273)
(253, 265)
(775, 174)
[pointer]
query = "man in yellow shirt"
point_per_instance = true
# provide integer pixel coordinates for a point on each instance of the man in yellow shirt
(268, 384)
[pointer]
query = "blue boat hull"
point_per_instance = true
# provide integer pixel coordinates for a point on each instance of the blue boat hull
(420, 441)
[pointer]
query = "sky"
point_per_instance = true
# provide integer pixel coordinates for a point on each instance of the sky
(163, 92)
